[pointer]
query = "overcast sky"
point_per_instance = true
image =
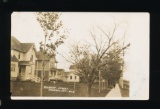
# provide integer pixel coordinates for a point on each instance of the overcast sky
(26, 29)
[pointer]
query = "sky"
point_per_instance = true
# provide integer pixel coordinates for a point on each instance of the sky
(25, 28)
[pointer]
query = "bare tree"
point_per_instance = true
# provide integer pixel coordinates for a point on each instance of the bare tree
(90, 58)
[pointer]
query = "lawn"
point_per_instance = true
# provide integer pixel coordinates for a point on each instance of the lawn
(50, 89)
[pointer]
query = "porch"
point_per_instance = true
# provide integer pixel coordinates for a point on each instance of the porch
(26, 72)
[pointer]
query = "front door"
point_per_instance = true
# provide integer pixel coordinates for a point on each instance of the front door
(22, 75)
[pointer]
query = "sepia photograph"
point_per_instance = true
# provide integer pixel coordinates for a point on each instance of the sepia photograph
(79, 55)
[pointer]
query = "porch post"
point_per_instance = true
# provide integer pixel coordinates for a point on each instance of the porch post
(44, 74)
(48, 71)
(26, 75)
(37, 69)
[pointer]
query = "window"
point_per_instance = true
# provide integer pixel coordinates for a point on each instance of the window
(31, 59)
(75, 77)
(70, 77)
(19, 56)
(13, 67)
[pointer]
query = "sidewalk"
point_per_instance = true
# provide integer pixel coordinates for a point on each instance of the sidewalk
(115, 92)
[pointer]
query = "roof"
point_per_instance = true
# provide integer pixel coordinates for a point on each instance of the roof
(56, 69)
(27, 46)
(53, 69)
(17, 45)
(68, 73)
(72, 67)
(14, 59)
(26, 63)
(60, 69)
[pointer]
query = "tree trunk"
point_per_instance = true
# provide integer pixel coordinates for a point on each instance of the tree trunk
(89, 86)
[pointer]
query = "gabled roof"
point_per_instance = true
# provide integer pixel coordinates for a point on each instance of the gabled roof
(17, 45)
(27, 46)
(14, 59)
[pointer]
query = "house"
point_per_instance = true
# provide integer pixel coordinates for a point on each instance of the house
(14, 67)
(74, 75)
(50, 64)
(71, 76)
(25, 53)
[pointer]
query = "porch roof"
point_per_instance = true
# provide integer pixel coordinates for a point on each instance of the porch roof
(26, 63)
(53, 69)
(14, 59)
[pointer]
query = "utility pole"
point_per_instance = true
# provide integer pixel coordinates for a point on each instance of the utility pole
(122, 69)
(99, 83)
(74, 88)
(37, 70)
(121, 77)
(41, 88)
(74, 79)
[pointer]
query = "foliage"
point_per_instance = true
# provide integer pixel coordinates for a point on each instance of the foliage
(112, 71)
(54, 31)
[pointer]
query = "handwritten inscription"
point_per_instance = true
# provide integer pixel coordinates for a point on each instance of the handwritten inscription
(58, 89)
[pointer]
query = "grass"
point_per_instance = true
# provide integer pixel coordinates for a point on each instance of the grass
(61, 89)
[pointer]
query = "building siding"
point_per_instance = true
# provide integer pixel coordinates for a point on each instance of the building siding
(28, 70)
(77, 79)
(14, 73)
(16, 53)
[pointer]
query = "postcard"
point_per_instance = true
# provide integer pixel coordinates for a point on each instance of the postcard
(79, 56)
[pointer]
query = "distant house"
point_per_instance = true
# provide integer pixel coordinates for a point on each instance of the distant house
(26, 55)
(71, 76)
(74, 75)
(49, 67)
